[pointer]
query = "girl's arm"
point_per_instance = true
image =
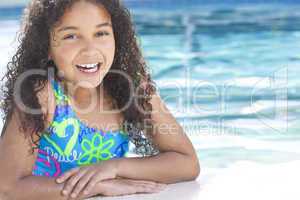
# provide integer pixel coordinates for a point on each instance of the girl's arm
(176, 162)
(16, 163)
(16, 160)
(17, 183)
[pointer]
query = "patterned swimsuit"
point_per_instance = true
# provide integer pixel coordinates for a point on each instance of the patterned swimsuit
(68, 142)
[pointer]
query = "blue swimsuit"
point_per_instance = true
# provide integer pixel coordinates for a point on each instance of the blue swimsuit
(68, 142)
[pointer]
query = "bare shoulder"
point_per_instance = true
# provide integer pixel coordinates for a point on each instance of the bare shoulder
(161, 114)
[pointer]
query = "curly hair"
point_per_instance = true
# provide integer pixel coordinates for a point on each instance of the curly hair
(39, 17)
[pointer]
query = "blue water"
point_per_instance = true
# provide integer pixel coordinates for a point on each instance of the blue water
(229, 74)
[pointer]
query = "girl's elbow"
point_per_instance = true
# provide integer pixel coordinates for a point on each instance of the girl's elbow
(195, 169)
(8, 188)
(4, 191)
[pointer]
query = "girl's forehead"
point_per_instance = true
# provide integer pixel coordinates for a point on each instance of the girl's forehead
(85, 12)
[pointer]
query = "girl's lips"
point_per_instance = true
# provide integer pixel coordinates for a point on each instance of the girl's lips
(89, 70)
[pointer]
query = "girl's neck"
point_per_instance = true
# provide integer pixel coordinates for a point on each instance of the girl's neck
(84, 97)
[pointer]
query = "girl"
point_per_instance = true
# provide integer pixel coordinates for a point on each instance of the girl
(77, 92)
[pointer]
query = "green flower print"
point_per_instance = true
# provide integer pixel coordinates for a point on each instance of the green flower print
(95, 149)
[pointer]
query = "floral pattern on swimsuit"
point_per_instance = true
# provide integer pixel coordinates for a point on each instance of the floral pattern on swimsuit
(68, 142)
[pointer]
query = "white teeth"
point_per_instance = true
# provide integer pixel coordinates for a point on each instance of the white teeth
(91, 70)
(88, 65)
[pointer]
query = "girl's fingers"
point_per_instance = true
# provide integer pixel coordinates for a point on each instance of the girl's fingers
(93, 181)
(69, 185)
(66, 175)
(148, 182)
(147, 189)
(130, 186)
(81, 184)
(155, 187)
(142, 181)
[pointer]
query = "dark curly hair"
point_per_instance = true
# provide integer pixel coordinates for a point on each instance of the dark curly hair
(39, 18)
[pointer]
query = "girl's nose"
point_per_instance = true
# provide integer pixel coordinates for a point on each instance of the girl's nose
(89, 53)
(89, 49)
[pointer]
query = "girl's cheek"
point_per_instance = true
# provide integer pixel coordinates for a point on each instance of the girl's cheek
(68, 50)
(105, 42)
(108, 47)
(62, 64)
(69, 46)
(64, 54)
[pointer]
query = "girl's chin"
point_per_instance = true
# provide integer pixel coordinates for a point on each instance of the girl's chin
(89, 83)
(89, 79)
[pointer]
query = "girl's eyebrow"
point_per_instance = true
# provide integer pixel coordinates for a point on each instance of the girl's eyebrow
(76, 28)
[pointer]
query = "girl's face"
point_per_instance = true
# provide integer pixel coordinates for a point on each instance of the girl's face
(83, 45)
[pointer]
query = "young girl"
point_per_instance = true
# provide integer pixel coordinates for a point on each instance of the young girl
(77, 92)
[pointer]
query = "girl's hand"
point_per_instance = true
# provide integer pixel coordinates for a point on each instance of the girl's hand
(86, 177)
(122, 186)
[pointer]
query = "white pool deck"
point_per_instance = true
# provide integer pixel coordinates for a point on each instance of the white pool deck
(179, 191)
(244, 180)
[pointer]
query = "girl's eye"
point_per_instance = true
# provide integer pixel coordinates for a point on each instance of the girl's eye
(68, 37)
(102, 33)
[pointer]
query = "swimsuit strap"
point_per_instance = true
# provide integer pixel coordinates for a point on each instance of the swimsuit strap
(60, 97)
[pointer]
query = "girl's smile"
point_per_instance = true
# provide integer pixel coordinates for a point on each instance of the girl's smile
(89, 68)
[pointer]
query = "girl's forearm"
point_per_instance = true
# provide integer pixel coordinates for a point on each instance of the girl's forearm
(166, 167)
(38, 187)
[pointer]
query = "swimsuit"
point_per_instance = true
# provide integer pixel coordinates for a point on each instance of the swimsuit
(69, 143)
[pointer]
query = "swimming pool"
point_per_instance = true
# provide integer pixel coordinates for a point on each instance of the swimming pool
(230, 75)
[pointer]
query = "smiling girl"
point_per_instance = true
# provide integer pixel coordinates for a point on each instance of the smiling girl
(77, 92)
